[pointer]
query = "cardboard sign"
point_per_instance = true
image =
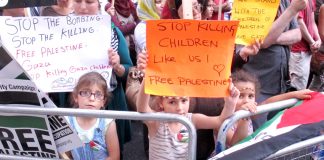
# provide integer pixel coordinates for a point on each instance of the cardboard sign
(256, 18)
(56, 51)
(189, 57)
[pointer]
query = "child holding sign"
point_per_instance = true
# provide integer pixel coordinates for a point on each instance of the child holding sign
(98, 135)
(168, 140)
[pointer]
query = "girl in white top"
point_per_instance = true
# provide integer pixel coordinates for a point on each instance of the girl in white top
(168, 140)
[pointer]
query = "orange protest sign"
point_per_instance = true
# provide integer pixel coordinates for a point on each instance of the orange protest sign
(189, 57)
(256, 18)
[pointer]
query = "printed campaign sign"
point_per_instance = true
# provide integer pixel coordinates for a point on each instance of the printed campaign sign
(65, 138)
(256, 18)
(24, 135)
(56, 51)
(189, 57)
(22, 92)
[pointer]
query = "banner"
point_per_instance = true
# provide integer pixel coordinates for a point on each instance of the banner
(189, 57)
(56, 51)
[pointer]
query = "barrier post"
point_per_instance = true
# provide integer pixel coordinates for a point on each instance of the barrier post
(229, 122)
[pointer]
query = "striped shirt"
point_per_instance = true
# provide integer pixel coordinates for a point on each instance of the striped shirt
(114, 39)
(166, 145)
(114, 45)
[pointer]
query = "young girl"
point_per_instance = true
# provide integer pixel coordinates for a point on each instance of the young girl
(248, 86)
(98, 135)
(168, 140)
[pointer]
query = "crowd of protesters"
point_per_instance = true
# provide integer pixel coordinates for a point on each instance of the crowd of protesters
(290, 58)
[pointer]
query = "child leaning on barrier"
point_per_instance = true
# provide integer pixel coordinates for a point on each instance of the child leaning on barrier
(169, 140)
(99, 136)
(248, 86)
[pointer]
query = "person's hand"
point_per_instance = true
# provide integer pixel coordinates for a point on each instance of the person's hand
(315, 46)
(234, 95)
(298, 5)
(226, 7)
(110, 9)
(249, 106)
(142, 59)
(303, 94)
(251, 50)
(114, 59)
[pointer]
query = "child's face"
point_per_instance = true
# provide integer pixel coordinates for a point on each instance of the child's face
(90, 98)
(247, 93)
(177, 105)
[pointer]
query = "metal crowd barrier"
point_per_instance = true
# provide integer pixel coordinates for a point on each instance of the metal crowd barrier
(298, 147)
(106, 114)
(228, 123)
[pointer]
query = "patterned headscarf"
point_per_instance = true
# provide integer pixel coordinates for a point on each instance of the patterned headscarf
(147, 10)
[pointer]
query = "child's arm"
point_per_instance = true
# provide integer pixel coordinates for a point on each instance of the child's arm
(66, 155)
(243, 126)
(142, 102)
(205, 122)
(241, 131)
(112, 142)
(302, 94)
(230, 102)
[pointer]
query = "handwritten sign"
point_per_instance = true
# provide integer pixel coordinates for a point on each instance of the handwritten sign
(256, 18)
(56, 51)
(189, 57)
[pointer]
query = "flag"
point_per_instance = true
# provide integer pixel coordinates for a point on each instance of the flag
(271, 137)
(264, 148)
(309, 111)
